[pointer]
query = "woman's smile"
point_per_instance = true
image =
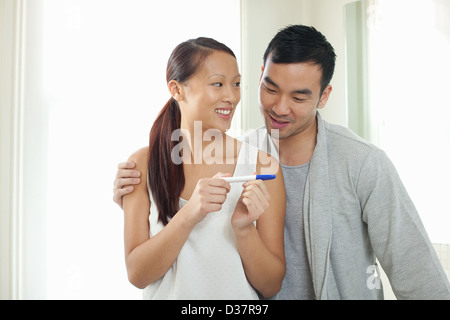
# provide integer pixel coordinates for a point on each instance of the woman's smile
(224, 113)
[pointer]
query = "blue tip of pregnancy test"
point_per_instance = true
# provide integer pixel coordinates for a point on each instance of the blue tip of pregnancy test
(265, 176)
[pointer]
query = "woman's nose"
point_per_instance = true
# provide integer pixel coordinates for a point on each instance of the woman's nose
(232, 95)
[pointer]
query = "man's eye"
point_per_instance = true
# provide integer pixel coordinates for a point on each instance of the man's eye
(217, 84)
(237, 84)
(270, 90)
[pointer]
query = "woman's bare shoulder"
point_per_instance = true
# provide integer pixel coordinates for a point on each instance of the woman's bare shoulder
(140, 156)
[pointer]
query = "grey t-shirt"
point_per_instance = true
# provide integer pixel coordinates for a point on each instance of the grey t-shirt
(297, 283)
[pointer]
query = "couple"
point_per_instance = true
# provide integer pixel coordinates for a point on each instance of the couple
(339, 198)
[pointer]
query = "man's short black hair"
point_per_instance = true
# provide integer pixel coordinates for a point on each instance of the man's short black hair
(298, 43)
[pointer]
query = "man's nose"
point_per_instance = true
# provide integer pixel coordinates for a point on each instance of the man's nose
(281, 107)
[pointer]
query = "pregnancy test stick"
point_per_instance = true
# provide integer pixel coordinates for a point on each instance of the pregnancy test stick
(248, 178)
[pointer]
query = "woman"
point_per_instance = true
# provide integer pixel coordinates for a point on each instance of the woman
(189, 234)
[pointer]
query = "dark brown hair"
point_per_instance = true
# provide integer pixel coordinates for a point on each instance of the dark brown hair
(166, 178)
(298, 43)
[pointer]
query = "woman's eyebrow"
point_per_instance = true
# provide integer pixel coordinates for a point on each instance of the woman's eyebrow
(223, 76)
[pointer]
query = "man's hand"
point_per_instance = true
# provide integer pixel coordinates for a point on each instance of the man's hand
(126, 177)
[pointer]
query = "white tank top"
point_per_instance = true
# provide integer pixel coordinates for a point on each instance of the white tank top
(209, 265)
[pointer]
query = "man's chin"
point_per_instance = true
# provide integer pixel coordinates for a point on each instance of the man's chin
(277, 134)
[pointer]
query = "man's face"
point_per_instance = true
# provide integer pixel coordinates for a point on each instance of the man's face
(289, 96)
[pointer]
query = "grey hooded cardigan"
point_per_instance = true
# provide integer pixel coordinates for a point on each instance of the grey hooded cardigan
(356, 210)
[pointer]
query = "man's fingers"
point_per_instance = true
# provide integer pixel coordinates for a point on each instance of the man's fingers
(127, 173)
(126, 165)
(119, 183)
(119, 193)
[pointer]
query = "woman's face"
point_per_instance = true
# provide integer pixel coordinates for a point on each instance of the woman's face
(211, 94)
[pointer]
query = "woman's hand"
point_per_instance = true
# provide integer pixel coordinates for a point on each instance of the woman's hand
(208, 196)
(253, 202)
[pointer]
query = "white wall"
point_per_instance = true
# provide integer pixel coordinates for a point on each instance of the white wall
(327, 16)
(261, 19)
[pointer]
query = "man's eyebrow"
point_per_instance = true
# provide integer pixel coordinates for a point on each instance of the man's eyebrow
(270, 81)
(305, 91)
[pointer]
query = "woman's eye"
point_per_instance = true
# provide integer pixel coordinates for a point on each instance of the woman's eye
(217, 84)
(237, 84)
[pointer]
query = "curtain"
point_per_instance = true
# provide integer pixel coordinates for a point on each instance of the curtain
(406, 47)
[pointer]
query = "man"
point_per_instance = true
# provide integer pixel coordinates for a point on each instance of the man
(346, 205)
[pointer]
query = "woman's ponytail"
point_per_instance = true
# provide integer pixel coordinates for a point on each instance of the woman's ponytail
(166, 179)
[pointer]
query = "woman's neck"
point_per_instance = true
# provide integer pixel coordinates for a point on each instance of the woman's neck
(208, 146)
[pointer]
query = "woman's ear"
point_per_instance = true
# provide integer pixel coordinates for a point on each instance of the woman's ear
(175, 90)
